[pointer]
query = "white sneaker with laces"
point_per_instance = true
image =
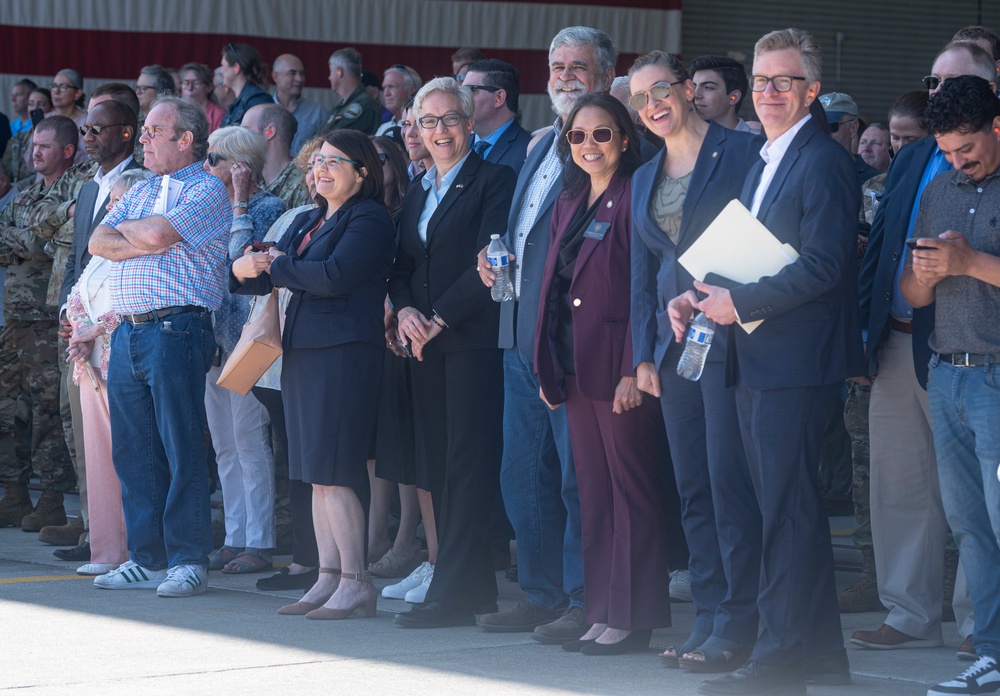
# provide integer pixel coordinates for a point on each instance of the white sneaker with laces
(96, 568)
(982, 677)
(410, 582)
(130, 576)
(184, 581)
(418, 595)
(680, 586)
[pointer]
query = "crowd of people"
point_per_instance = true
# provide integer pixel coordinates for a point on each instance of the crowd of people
(143, 228)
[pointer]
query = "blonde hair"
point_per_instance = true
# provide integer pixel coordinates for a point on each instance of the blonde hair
(446, 85)
(239, 144)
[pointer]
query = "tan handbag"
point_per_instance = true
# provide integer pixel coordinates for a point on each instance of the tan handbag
(259, 346)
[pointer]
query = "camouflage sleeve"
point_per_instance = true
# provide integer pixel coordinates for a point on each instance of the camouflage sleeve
(52, 211)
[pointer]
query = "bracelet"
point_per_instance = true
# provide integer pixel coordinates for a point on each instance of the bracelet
(436, 318)
(240, 204)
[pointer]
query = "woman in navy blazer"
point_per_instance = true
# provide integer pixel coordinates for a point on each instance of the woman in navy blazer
(675, 197)
(583, 357)
(336, 261)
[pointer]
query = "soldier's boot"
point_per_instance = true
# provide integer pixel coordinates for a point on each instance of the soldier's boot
(950, 570)
(63, 535)
(48, 512)
(862, 595)
(15, 504)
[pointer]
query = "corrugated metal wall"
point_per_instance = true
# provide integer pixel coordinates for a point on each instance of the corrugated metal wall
(886, 47)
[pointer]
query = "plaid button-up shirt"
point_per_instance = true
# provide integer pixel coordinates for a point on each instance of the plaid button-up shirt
(193, 272)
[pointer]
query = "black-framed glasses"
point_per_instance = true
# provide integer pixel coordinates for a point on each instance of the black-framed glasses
(56, 87)
(141, 89)
(835, 126)
(932, 82)
(450, 120)
(332, 161)
(661, 90)
(781, 83)
(483, 88)
(152, 131)
(578, 136)
(214, 158)
(85, 130)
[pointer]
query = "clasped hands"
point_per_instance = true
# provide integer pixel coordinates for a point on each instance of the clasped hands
(415, 330)
(253, 263)
(936, 258)
(81, 341)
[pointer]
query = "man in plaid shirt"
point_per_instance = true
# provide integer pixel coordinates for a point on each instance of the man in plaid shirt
(169, 239)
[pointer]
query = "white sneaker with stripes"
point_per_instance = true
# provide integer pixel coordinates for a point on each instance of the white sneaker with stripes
(184, 581)
(130, 576)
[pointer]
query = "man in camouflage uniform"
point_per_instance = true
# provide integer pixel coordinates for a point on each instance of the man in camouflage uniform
(29, 372)
(358, 110)
(278, 127)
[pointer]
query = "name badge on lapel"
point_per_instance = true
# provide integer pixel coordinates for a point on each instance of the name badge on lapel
(597, 230)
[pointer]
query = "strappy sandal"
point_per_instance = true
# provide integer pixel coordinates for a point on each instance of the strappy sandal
(250, 561)
(302, 608)
(671, 656)
(225, 555)
(709, 660)
(398, 564)
(366, 607)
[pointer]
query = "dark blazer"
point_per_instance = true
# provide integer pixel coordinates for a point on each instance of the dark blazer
(442, 276)
(885, 246)
(719, 173)
(511, 147)
(338, 284)
(811, 335)
(84, 223)
(601, 294)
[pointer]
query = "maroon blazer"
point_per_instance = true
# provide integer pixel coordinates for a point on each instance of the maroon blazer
(601, 297)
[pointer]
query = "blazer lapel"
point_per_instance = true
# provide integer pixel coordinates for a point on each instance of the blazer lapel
(708, 159)
(613, 195)
(457, 188)
(531, 165)
(310, 220)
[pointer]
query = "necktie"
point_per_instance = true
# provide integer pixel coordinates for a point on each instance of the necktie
(481, 147)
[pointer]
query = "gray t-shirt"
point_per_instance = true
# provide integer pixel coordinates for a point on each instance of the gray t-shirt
(966, 310)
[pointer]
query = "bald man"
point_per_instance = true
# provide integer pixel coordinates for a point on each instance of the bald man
(289, 75)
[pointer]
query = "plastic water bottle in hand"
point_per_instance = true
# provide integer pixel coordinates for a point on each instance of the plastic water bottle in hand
(699, 339)
(503, 286)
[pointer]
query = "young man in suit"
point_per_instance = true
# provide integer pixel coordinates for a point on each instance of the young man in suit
(805, 192)
(496, 86)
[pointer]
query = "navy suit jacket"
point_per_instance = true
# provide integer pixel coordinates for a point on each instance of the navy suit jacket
(511, 147)
(811, 335)
(441, 275)
(601, 286)
(885, 247)
(718, 176)
(338, 283)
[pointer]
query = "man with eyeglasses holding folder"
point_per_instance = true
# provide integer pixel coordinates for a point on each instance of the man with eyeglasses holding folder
(168, 237)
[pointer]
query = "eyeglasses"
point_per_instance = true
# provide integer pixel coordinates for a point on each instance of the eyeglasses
(151, 131)
(332, 161)
(191, 84)
(56, 87)
(214, 158)
(578, 136)
(449, 120)
(781, 83)
(85, 130)
(141, 89)
(661, 90)
(932, 82)
(483, 88)
(835, 126)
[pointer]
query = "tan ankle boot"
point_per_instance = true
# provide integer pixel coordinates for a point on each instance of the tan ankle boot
(15, 504)
(62, 535)
(48, 512)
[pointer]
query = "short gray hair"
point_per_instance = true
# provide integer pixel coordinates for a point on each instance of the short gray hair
(239, 144)
(189, 117)
(129, 178)
(446, 85)
(411, 76)
(801, 41)
(984, 65)
(604, 47)
(349, 59)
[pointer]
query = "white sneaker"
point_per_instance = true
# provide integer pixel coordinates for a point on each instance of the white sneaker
(680, 586)
(981, 678)
(96, 568)
(184, 581)
(410, 582)
(418, 594)
(130, 576)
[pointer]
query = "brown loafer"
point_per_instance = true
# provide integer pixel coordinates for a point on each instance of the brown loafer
(966, 651)
(888, 638)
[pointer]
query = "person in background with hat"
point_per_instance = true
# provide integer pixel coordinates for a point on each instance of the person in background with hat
(845, 125)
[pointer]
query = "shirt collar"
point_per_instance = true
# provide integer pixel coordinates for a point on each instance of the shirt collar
(775, 151)
(430, 178)
(99, 177)
(493, 137)
(963, 178)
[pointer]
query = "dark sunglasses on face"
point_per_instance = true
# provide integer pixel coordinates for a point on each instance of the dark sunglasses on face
(85, 130)
(835, 126)
(932, 82)
(214, 158)
(483, 88)
(577, 136)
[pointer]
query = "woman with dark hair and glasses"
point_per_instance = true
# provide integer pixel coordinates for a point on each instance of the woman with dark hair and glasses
(335, 261)
(244, 75)
(196, 86)
(583, 358)
(675, 197)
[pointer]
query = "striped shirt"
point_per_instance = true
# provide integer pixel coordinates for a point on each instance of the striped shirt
(194, 271)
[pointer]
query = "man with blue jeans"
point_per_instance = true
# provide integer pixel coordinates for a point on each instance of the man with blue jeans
(956, 266)
(168, 237)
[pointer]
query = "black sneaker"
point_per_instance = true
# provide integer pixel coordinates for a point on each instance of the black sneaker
(981, 678)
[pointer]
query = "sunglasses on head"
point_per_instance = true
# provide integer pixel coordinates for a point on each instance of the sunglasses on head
(214, 158)
(577, 136)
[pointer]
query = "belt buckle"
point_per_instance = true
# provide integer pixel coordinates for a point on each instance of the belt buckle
(965, 360)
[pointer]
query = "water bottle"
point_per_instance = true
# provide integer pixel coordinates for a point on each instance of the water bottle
(699, 340)
(503, 286)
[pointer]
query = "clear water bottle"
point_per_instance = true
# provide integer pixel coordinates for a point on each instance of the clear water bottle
(699, 340)
(503, 286)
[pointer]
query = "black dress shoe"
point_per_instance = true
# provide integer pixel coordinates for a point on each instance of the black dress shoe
(75, 554)
(634, 642)
(756, 679)
(576, 645)
(284, 580)
(831, 669)
(435, 615)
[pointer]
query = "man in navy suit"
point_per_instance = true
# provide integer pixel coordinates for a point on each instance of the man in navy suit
(908, 521)
(496, 86)
(806, 193)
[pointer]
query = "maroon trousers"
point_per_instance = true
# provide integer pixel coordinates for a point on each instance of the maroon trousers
(625, 575)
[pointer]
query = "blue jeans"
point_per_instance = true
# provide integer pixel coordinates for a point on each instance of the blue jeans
(539, 491)
(965, 420)
(156, 396)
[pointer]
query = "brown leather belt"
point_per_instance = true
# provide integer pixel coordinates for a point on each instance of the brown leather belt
(904, 326)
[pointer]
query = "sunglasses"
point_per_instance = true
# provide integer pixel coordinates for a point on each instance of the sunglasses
(661, 90)
(483, 88)
(86, 130)
(835, 126)
(152, 131)
(577, 136)
(214, 158)
(932, 82)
